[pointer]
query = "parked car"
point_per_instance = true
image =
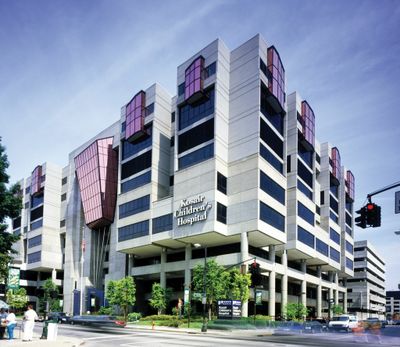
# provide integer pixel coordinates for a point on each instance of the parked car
(343, 322)
(289, 327)
(323, 322)
(312, 327)
(60, 317)
(94, 320)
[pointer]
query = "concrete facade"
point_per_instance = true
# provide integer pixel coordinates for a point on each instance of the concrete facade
(366, 291)
(231, 171)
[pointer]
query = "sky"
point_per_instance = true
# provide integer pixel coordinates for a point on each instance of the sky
(67, 67)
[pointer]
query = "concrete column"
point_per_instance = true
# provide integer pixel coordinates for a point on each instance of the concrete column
(271, 294)
(330, 276)
(163, 277)
(319, 294)
(304, 284)
(272, 253)
(345, 296)
(271, 285)
(54, 275)
(244, 255)
(336, 277)
(188, 258)
(284, 284)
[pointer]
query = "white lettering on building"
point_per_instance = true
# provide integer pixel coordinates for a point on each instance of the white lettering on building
(192, 210)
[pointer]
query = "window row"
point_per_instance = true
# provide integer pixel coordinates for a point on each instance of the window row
(202, 133)
(269, 186)
(304, 213)
(272, 217)
(136, 182)
(135, 206)
(136, 165)
(133, 231)
(35, 241)
(197, 156)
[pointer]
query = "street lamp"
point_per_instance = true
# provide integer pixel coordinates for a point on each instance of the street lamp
(204, 326)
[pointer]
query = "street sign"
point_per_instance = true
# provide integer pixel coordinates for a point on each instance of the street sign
(13, 278)
(197, 296)
(229, 309)
(397, 202)
(258, 297)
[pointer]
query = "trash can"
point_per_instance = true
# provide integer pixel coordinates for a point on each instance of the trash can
(52, 330)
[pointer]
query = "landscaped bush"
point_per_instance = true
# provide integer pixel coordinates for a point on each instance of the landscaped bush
(158, 318)
(174, 323)
(134, 316)
(105, 310)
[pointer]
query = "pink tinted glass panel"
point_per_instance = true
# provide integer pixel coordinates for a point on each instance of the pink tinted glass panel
(96, 170)
(335, 155)
(276, 83)
(350, 183)
(194, 77)
(308, 122)
(135, 113)
(35, 179)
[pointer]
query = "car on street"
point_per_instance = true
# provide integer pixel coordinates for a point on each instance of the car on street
(323, 322)
(97, 320)
(60, 317)
(288, 327)
(343, 322)
(312, 327)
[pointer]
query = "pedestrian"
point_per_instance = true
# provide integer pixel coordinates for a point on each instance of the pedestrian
(3, 324)
(30, 316)
(11, 321)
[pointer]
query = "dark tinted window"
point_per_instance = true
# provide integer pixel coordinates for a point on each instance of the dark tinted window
(334, 255)
(221, 182)
(270, 158)
(37, 200)
(130, 149)
(304, 213)
(64, 197)
(272, 217)
(322, 247)
(135, 206)
(333, 204)
(64, 180)
(136, 165)
(221, 213)
(304, 173)
(335, 236)
(37, 224)
(304, 189)
(210, 70)
(305, 237)
(272, 188)
(349, 247)
(37, 213)
(35, 241)
(196, 156)
(133, 231)
(189, 114)
(276, 119)
(16, 223)
(307, 156)
(34, 257)
(271, 138)
(162, 223)
(196, 136)
(136, 182)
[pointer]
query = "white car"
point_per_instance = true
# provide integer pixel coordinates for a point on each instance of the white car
(343, 322)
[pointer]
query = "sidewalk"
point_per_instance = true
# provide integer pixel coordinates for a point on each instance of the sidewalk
(61, 341)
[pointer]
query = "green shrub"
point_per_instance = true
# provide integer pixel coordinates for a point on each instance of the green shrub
(134, 316)
(105, 310)
(161, 317)
(174, 323)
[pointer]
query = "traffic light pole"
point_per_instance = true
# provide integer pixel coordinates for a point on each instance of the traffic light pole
(394, 185)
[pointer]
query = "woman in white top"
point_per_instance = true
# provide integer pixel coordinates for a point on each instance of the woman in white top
(11, 321)
(29, 323)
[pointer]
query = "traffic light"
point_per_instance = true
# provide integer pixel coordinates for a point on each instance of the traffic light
(361, 220)
(373, 215)
(255, 271)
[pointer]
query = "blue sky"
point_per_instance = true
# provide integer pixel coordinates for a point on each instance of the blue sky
(68, 66)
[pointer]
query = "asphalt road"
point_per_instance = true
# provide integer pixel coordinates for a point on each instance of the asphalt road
(130, 337)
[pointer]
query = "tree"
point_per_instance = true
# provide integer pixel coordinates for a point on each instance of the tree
(50, 295)
(159, 297)
(17, 298)
(215, 285)
(122, 293)
(295, 311)
(10, 207)
(337, 309)
(237, 285)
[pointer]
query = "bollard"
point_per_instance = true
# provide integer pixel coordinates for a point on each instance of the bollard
(152, 325)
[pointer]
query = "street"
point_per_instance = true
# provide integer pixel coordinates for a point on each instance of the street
(93, 337)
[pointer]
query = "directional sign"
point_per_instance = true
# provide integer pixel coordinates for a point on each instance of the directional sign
(13, 278)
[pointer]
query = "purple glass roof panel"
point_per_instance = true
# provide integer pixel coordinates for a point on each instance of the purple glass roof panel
(335, 156)
(96, 170)
(276, 82)
(194, 78)
(35, 180)
(135, 114)
(308, 123)
(350, 184)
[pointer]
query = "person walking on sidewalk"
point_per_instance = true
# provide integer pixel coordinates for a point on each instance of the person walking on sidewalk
(11, 321)
(3, 324)
(30, 316)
